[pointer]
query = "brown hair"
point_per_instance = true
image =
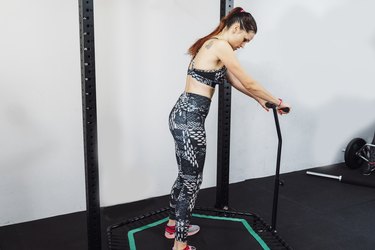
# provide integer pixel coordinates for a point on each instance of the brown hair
(237, 15)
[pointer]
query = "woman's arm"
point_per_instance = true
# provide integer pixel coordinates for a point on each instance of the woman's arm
(225, 54)
(238, 85)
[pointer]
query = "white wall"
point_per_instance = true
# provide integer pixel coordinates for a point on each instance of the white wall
(320, 57)
(41, 156)
(317, 55)
(141, 61)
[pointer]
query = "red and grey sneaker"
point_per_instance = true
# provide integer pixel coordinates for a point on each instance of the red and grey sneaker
(171, 230)
(187, 248)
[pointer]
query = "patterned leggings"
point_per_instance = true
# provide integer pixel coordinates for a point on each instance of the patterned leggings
(186, 123)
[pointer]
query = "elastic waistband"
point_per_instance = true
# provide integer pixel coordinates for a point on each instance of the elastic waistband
(194, 103)
(189, 94)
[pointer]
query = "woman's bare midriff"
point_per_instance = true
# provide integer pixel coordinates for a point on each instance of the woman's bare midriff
(193, 86)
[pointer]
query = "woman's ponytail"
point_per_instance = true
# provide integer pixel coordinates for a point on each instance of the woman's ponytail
(235, 15)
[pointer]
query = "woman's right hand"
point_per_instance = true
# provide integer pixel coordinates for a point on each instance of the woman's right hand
(283, 105)
(279, 108)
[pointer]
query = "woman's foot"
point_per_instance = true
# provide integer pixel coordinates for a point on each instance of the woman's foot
(170, 231)
(186, 248)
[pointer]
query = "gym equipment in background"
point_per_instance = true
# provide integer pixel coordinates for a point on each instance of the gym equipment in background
(357, 153)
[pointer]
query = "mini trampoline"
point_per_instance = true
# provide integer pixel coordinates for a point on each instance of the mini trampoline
(222, 229)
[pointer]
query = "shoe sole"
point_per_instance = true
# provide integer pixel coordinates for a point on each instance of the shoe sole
(172, 236)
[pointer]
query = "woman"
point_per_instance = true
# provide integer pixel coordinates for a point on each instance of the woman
(213, 60)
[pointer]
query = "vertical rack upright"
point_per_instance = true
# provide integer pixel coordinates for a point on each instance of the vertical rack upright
(223, 140)
(90, 135)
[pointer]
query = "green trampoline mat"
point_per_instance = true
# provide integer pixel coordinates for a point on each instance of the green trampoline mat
(216, 233)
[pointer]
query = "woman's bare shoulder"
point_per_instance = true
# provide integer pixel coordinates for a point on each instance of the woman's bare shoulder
(216, 44)
(222, 44)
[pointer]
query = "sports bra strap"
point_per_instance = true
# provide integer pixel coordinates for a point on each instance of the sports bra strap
(192, 59)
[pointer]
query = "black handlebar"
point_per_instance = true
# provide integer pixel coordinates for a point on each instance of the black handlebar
(273, 106)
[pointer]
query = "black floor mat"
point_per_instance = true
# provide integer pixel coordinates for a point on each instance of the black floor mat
(314, 213)
(349, 176)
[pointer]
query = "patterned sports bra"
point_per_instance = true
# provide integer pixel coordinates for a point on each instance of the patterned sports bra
(207, 77)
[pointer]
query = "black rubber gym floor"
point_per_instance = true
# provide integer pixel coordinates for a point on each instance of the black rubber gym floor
(314, 213)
